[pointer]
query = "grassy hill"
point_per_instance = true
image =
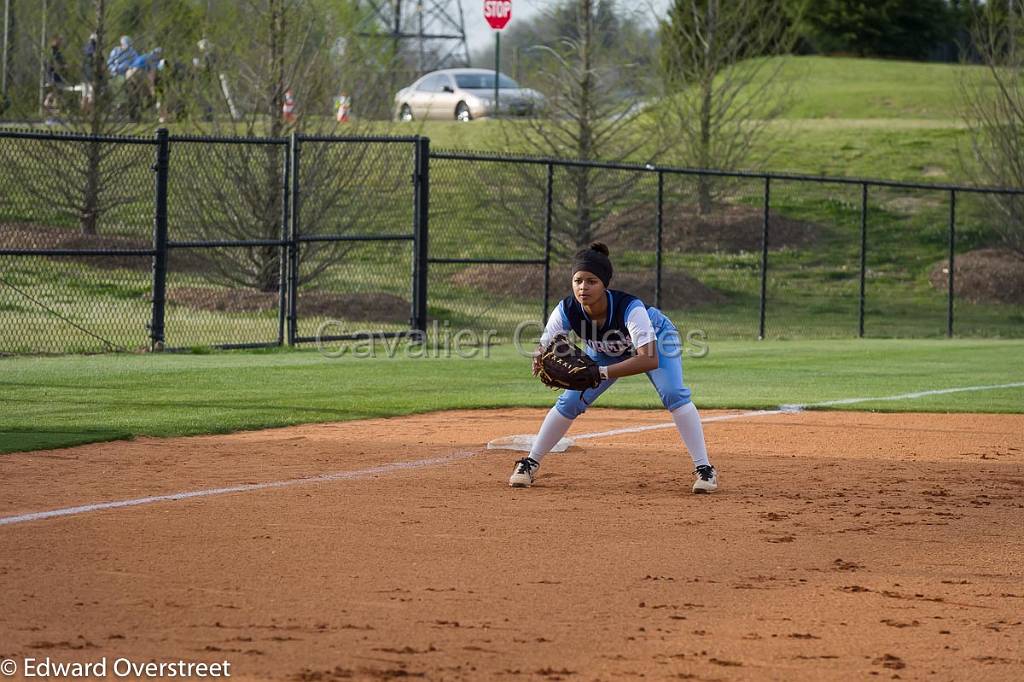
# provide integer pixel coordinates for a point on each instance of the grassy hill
(846, 117)
(854, 89)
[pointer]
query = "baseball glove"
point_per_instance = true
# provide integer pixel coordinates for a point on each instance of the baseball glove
(561, 364)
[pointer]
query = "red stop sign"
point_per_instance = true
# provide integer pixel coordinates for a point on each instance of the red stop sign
(498, 13)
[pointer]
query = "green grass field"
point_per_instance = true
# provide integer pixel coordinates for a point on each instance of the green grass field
(848, 117)
(50, 402)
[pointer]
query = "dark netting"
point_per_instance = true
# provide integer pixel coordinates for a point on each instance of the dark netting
(71, 197)
(353, 287)
(206, 308)
(487, 210)
(907, 237)
(626, 220)
(356, 188)
(362, 192)
(99, 191)
(988, 271)
(461, 298)
(74, 304)
(220, 292)
(711, 240)
(77, 246)
(813, 274)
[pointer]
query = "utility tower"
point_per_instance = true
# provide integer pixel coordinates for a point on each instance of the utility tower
(429, 34)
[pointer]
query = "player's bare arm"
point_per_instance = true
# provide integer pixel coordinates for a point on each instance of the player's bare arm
(645, 360)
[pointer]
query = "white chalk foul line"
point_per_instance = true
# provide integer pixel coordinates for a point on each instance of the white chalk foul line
(919, 394)
(391, 467)
(798, 407)
(436, 461)
(672, 425)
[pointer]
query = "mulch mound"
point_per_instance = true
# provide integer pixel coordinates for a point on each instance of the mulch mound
(983, 276)
(728, 228)
(356, 306)
(679, 290)
(30, 236)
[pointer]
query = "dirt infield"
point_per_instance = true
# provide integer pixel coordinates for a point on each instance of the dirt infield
(841, 546)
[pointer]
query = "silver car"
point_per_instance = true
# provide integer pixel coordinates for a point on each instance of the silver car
(462, 95)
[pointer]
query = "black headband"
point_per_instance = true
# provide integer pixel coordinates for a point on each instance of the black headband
(594, 262)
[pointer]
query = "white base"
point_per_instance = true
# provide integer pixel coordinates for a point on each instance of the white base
(524, 443)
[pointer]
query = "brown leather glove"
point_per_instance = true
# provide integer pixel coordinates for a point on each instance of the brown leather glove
(561, 364)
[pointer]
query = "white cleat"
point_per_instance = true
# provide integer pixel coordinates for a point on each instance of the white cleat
(522, 475)
(707, 479)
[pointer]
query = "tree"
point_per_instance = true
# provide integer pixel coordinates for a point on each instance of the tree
(278, 51)
(591, 112)
(96, 178)
(994, 99)
(909, 29)
(87, 187)
(721, 90)
(621, 34)
(368, 59)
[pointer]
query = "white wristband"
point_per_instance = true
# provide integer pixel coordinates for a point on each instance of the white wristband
(603, 371)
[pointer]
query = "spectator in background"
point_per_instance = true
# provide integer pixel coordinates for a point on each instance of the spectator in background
(51, 105)
(142, 76)
(56, 67)
(144, 62)
(56, 70)
(88, 69)
(204, 78)
(162, 89)
(89, 58)
(171, 86)
(122, 57)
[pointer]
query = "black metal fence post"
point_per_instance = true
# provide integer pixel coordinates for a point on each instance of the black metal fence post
(952, 262)
(282, 310)
(161, 167)
(863, 257)
(548, 219)
(421, 233)
(660, 229)
(294, 154)
(764, 258)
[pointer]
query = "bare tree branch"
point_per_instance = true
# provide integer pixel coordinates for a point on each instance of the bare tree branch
(994, 108)
(592, 113)
(720, 90)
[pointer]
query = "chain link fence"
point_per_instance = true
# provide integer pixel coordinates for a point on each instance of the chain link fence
(76, 243)
(812, 259)
(175, 242)
(731, 254)
(226, 241)
(355, 232)
(180, 242)
(487, 243)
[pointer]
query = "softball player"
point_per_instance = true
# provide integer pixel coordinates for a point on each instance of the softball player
(624, 337)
